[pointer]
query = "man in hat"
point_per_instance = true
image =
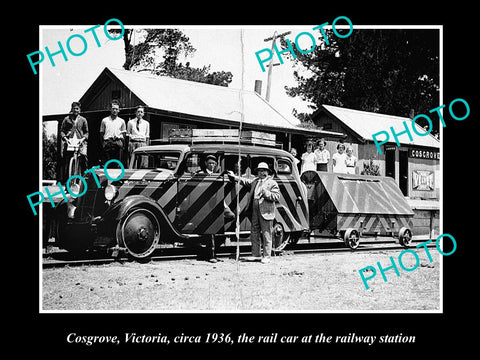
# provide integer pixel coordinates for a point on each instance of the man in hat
(210, 169)
(264, 192)
(210, 165)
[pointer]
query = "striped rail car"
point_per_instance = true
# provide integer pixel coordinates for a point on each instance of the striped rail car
(192, 205)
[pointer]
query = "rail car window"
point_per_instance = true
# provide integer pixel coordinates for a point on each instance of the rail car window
(284, 166)
(195, 162)
(255, 160)
(231, 163)
(164, 160)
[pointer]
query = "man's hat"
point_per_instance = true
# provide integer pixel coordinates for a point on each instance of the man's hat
(212, 157)
(262, 166)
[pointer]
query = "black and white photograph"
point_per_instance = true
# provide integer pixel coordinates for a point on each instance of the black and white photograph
(232, 186)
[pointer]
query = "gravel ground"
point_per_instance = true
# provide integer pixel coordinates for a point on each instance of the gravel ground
(313, 282)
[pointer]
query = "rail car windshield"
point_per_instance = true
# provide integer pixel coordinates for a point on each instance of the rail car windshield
(156, 160)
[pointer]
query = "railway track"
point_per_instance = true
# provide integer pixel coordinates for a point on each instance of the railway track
(62, 259)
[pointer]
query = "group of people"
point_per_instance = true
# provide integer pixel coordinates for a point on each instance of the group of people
(114, 134)
(343, 161)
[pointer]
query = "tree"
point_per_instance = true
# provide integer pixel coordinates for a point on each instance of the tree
(389, 71)
(142, 49)
(49, 146)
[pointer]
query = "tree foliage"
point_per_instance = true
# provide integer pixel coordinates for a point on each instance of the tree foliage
(389, 71)
(49, 147)
(159, 51)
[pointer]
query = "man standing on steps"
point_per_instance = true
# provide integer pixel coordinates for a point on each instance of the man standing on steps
(264, 192)
(74, 129)
(112, 130)
(138, 133)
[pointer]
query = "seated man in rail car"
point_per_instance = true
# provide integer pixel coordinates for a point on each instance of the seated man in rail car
(210, 167)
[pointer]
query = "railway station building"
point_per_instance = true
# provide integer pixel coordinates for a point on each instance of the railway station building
(415, 165)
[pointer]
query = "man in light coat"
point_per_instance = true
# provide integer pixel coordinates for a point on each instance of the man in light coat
(264, 192)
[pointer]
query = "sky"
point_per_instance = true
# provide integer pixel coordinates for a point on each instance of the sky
(217, 46)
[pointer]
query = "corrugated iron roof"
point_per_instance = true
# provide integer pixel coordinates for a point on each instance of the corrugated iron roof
(206, 100)
(365, 124)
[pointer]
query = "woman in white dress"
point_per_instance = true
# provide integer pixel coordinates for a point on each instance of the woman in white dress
(322, 156)
(339, 160)
(350, 161)
(308, 159)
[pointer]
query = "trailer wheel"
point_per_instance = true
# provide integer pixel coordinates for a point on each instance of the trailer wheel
(351, 238)
(405, 236)
(139, 232)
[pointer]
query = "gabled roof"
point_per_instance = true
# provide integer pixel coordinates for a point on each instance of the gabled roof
(365, 124)
(207, 101)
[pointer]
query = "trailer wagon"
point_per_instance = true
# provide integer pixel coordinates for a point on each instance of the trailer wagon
(349, 206)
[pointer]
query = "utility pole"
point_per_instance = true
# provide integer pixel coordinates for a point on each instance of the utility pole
(271, 65)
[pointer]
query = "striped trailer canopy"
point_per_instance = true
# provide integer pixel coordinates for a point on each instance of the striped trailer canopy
(339, 203)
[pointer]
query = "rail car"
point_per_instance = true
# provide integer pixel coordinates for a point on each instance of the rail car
(349, 206)
(165, 196)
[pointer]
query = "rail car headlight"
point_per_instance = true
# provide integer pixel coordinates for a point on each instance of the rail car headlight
(110, 192)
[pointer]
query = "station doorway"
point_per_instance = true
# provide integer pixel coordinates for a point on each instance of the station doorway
(403, 172)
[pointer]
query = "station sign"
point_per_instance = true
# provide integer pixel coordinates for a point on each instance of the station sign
(424, 154)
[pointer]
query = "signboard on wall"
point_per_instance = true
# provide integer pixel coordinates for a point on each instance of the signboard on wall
(168, 127)
(424, 154)
(423, 180)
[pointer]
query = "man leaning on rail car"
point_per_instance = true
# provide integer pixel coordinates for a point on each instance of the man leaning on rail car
(264, 192)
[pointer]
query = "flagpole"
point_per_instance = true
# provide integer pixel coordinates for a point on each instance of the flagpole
(237, 227)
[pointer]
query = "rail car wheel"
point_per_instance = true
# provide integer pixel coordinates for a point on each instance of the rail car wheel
(73, 238)
(351, 238)
(405, 236)
(139, 232)
(279, 237)
(294, 237)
